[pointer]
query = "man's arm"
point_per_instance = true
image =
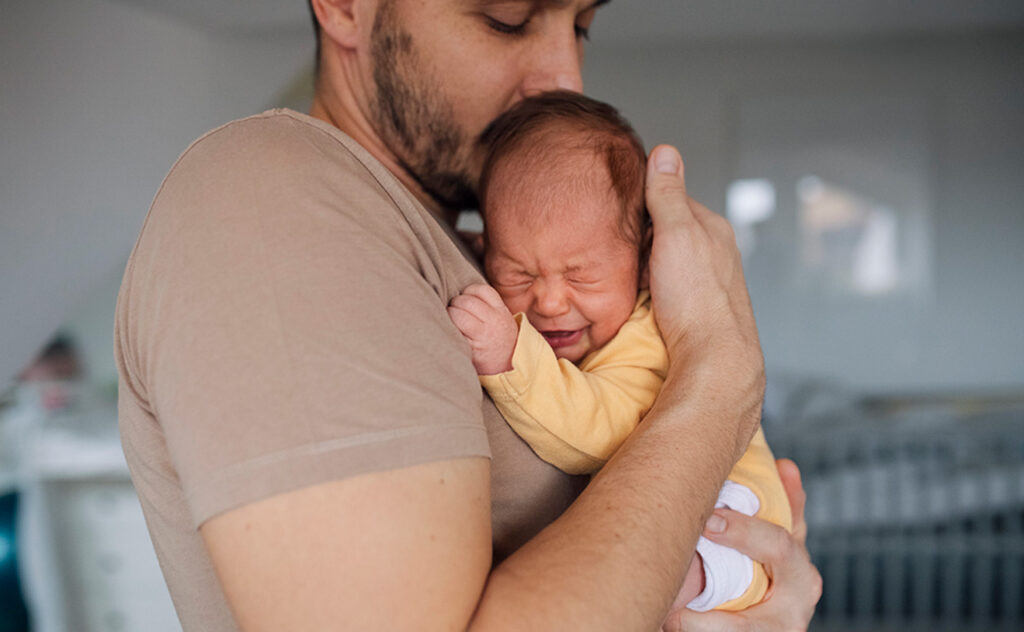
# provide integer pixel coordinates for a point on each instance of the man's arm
(410, 548)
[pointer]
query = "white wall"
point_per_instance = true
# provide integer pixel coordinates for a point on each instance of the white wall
(965, 333)
(98, 99)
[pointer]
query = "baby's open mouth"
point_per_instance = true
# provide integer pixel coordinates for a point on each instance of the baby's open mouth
(562, 338)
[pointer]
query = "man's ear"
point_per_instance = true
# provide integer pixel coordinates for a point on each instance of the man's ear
(339, 20)
(645, 257)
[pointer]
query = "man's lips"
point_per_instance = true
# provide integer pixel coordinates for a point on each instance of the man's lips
(559, 338)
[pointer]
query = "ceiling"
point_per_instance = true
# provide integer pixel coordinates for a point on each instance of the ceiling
(626, 21)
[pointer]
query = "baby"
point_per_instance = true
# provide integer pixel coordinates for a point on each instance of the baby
(565, 341)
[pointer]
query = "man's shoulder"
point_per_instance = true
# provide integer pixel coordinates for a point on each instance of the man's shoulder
(273, 127)
(274, 142)
(280, 163)
(281, 175)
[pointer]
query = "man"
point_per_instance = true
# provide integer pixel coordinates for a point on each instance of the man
(303, 423)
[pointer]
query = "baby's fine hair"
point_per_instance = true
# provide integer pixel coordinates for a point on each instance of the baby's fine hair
(545, 127)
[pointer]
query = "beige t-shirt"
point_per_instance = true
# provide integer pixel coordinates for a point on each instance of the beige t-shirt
(281, 324)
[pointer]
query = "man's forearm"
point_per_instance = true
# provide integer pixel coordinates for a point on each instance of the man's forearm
(618, 555)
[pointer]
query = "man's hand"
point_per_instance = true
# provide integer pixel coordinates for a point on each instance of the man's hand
(697, 280)
(700, 297)
(796, 584)
(483, 319)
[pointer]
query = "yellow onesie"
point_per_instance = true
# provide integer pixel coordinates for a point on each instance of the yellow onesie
(575, 417)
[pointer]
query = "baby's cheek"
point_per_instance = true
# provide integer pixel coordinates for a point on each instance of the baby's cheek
(613, 316)
(514, 303)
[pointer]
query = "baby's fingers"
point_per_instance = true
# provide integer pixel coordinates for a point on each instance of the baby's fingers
(468, 313)
(472, 304)
(464, 321)
(487, 294)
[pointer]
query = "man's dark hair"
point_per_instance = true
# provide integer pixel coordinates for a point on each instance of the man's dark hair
(546, 126)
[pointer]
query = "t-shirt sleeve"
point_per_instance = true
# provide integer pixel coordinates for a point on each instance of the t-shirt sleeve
(288, 328)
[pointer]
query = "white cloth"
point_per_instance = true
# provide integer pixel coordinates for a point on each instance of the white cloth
(727, 572)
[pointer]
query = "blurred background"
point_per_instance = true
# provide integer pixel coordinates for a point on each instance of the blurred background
(870, 155)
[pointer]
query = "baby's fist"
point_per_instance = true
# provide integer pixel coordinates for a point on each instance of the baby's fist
(489, 327)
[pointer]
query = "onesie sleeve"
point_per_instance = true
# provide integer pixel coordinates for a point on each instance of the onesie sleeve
(576, 417)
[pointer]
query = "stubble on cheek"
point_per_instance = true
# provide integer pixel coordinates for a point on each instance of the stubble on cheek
(415, 120)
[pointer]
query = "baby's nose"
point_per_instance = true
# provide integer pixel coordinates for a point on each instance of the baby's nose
(551, 299)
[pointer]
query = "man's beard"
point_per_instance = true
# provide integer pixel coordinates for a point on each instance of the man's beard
(416, 122)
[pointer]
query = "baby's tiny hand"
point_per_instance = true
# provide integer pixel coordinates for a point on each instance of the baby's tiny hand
(489, 327)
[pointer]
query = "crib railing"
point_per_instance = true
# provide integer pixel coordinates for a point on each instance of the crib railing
(914, 524)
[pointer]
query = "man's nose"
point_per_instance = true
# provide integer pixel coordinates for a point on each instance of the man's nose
(555, 66)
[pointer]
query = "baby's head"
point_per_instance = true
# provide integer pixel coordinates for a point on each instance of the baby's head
(562, 196)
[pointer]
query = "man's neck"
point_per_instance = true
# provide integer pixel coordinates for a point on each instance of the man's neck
(341, 110)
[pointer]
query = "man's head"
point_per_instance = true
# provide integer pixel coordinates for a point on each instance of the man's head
(417, 83)
(562, 192)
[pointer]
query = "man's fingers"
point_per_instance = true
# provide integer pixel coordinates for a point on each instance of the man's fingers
(702, 212)
(796, 583)
(790, 475)
(783, 553)
(714, 223)
(762, 541)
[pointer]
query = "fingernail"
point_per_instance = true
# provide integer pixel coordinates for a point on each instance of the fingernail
(666, 161)
(715, 524)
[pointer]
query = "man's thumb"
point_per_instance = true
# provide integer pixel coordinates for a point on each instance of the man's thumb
(666, 186)
(665, 159)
